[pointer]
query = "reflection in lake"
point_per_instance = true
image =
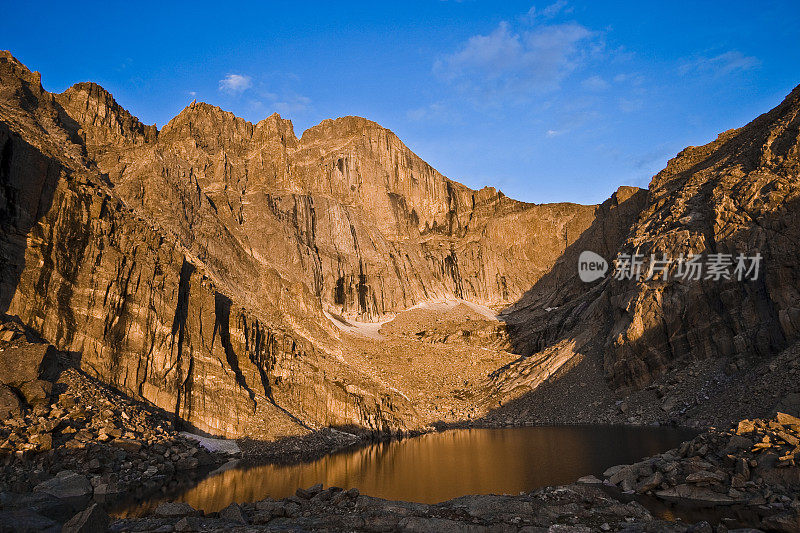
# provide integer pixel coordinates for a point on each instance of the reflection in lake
(441, 466)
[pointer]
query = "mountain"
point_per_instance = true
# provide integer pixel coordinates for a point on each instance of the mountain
(252, 283)
(193, 266)
(739, 194)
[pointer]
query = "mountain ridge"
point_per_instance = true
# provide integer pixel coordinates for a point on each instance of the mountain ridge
(239, 277)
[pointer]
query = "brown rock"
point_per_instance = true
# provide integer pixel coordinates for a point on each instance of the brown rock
(787, 420)
(9, 403)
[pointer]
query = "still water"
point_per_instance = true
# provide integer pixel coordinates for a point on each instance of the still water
(440, 466)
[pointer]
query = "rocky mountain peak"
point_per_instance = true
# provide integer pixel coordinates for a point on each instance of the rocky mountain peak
(771, 141)
(341, 127)
(213, 128)
(18, 84)
(102, 120)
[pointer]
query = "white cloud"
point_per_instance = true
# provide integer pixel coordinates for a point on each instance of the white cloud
(435, 112)
(293, 103)
(720, 65)
(285, 104)
(508, 62)
(548, 12)
(595, 83)
(235, 83)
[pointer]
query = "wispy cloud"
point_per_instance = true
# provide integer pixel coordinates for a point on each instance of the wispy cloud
(578, 115)
(235, 83)
(284, 104)
(510, 62)
(292, 103)
(435, 112)
(550, 11)
(720, 65)
(595, 83)
(630, 105)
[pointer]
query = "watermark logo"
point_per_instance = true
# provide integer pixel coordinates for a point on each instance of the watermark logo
(693, 267)
(591, 266)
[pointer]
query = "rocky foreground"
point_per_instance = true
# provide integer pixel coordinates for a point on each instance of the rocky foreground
(74, 449)
(742, 479)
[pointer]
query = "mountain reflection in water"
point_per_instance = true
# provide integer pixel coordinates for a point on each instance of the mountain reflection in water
(440, 466)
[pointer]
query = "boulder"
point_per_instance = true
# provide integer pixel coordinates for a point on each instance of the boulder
(706, 477)
(38, 502)
(787, 419)
(234, 513)
(9, 403)
(745, 427)
(650, 482)
(175, 510)
(783, 522)
(692, 494)
(67, 485)
(27, 363)
(26, 521)
(36, 392)
(91, 520)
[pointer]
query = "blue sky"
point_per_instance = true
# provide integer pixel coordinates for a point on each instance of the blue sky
(548, 101)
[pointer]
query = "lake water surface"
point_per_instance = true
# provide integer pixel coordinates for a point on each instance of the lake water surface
(440, 466)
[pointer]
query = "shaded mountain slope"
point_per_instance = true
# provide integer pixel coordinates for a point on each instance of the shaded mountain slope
(739, 194)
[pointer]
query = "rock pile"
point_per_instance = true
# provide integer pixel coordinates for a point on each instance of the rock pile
(91, 443)
(753, 464)
(574, 508)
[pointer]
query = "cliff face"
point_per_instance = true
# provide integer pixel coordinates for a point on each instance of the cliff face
(192, 266)
(214, 267)
(739, 194)
(94, 276)
(347, 210)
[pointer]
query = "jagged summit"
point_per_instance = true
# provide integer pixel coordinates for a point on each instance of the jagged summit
(103, 121)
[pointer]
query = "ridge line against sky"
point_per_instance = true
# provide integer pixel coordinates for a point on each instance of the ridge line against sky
(553, 101)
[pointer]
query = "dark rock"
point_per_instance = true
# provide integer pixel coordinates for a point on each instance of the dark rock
(39, 503)
(9, 403)
(694, 495)
(175, 509)
(783, 522)
(234, 513)
(26, 521)
(67, 485)
(92, 520)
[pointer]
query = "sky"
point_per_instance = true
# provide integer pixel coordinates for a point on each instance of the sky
(548, 101)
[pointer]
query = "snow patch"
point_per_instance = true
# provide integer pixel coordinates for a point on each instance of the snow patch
(228, 446)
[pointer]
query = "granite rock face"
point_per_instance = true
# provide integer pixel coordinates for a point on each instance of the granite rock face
(193, 267)
(346, 209)
(739, 194)
(234, 274)
(145, 314)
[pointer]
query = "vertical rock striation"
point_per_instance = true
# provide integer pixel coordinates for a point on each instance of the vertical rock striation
(96, 277)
